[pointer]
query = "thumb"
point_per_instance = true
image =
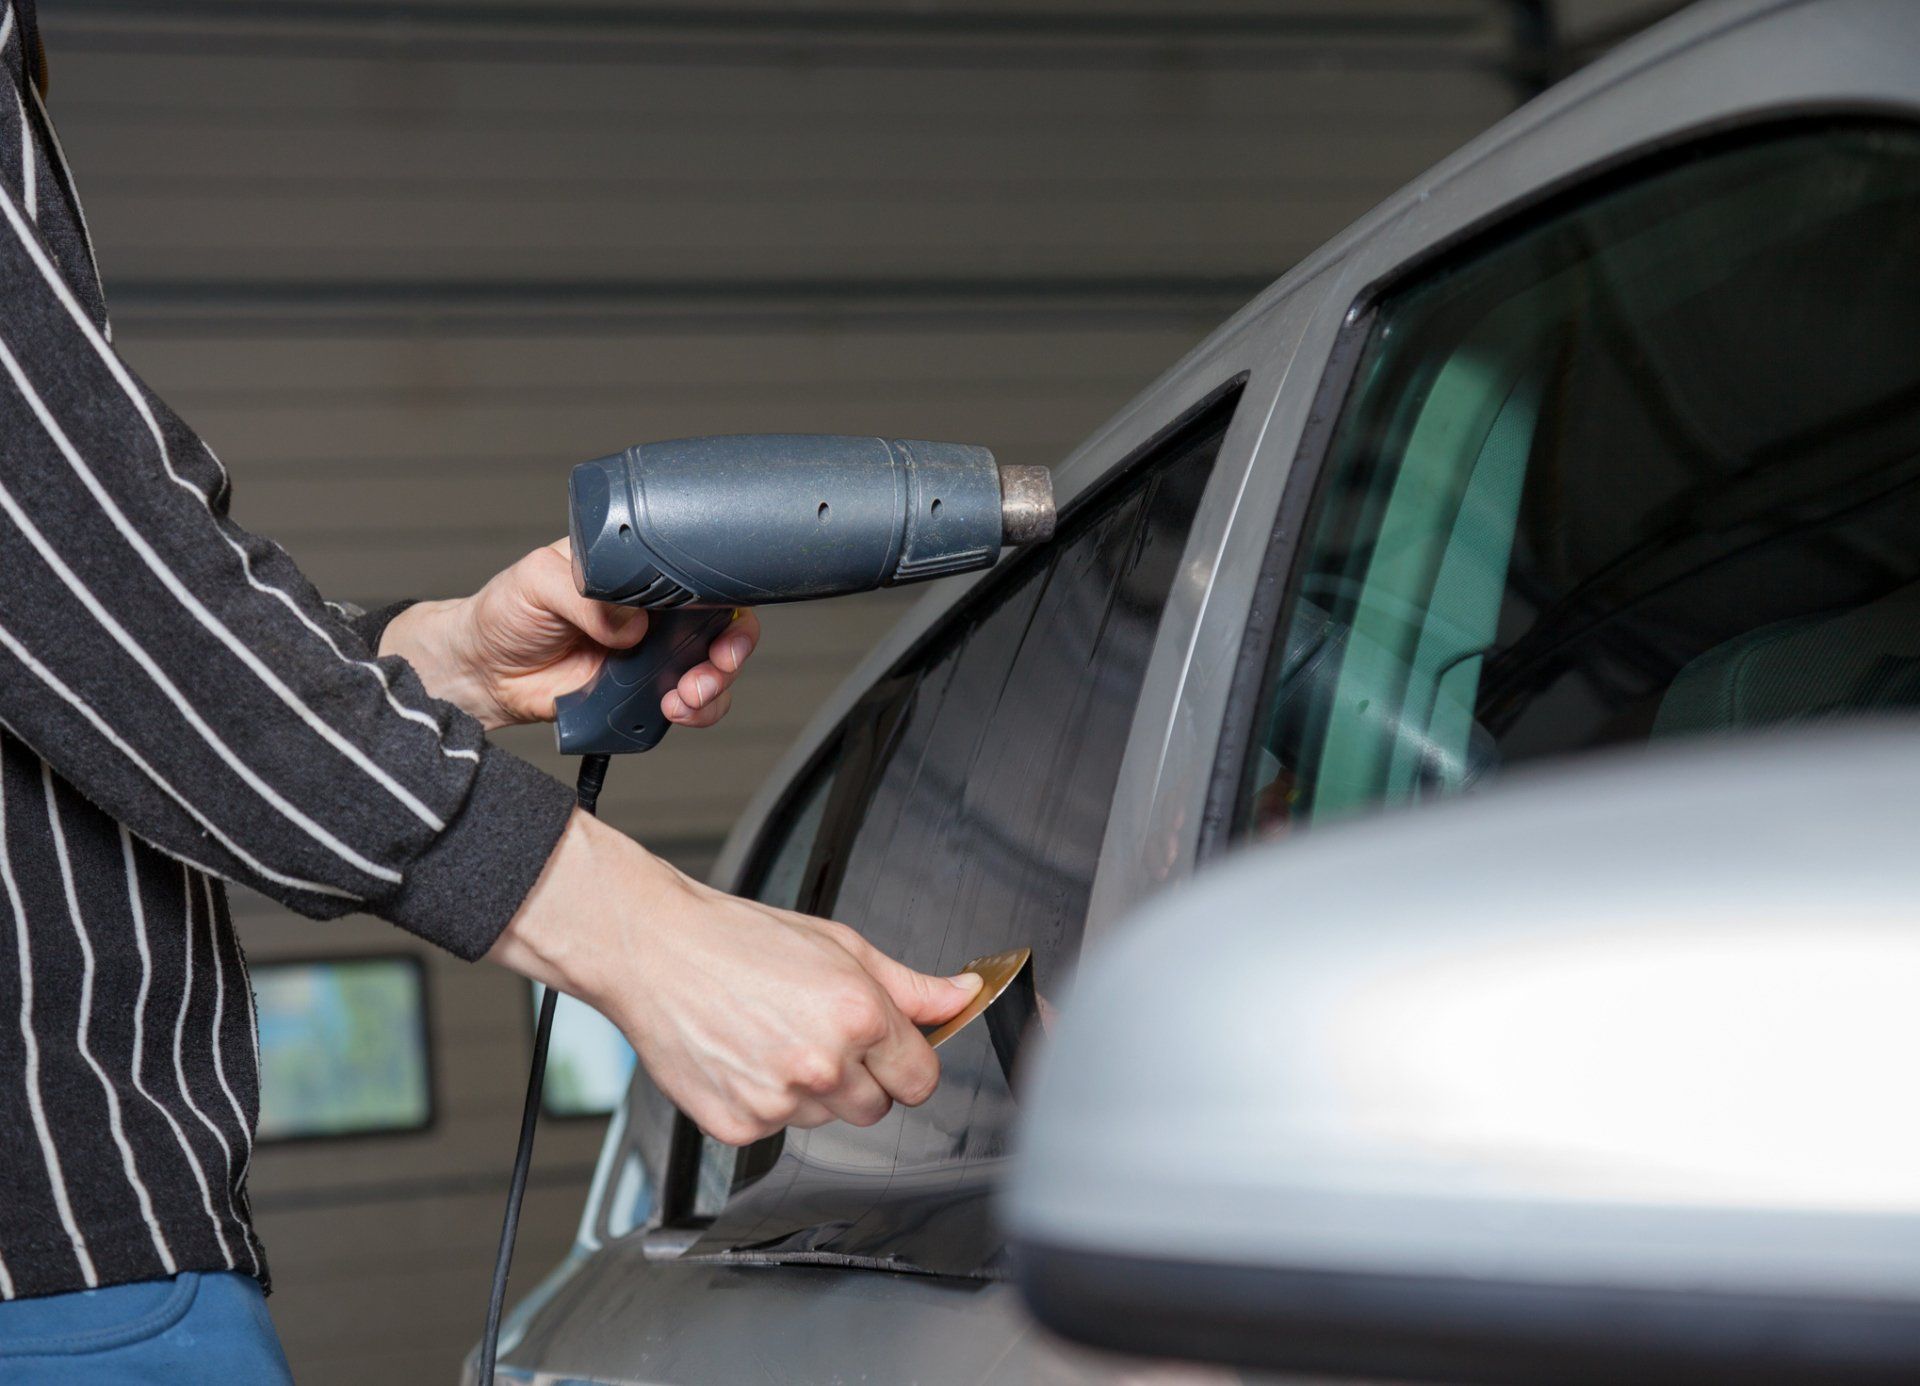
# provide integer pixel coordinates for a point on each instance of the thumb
(922, 998)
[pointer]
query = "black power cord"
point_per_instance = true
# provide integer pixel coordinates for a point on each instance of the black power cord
(593, 774)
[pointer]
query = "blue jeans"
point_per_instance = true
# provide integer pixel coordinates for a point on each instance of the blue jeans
(195, 1327)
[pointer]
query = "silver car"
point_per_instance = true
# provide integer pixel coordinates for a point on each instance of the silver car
(1604, 432)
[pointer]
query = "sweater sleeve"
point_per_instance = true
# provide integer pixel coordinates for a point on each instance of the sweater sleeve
(180, 671)
(369, 626)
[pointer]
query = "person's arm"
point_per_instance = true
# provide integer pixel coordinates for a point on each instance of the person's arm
(183, 675)
(749, 1018)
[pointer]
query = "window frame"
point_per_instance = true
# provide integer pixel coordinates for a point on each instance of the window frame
(1224, 819)
(424, 1023)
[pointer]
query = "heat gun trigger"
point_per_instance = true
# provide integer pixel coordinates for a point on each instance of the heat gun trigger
(618, 711)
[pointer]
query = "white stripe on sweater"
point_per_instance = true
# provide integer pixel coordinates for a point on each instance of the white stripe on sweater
(166, 685)
(139, 911)
(219, 1007)
(180, 1070)
(48, 1153)
(28, 181)
(73, 197)
(246, 567)
(101, 344)
(115, 1126)
(74, 700)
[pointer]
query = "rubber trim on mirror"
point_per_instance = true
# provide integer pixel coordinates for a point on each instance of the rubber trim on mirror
(1451, 1328)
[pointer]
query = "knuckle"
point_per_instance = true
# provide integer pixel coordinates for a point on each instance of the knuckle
(813, 1071)
(770, 1111)
(731, 1130)
(861, 1017)
(872, 1113)
(845, 936)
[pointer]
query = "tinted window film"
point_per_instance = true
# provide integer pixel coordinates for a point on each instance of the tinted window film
(1649, 469)
(967, 818)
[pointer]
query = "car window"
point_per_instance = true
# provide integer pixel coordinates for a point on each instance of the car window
(966, 817)
(1648, 468)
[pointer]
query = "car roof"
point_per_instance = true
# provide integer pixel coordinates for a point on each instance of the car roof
(1779, 67)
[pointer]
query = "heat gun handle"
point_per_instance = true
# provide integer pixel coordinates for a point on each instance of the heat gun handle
(619, 710)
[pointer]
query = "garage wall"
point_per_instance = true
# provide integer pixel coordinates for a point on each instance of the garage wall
(403, 264)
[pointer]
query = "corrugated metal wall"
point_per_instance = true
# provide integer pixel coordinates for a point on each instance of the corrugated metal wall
(403, 264)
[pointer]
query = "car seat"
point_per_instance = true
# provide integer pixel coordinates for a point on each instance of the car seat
(1861, 660)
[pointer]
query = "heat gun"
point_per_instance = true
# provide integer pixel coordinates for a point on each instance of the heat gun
(694, 528)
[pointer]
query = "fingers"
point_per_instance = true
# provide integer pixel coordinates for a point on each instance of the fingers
(550, 584)
(731, 647)
(922, 998)
(855, 1098)
(904, 1063)
(872, 1058)
(859, 1100)
(676, 710)
(820, 1092)
(701, 697)
(807, 1115)
(862, 1102)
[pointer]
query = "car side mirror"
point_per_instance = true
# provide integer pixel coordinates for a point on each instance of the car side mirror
(1606, 1074)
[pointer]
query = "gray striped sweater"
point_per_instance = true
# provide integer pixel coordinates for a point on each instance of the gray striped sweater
(178, 708)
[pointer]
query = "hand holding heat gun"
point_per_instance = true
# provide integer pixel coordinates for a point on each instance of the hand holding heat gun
(694, 528)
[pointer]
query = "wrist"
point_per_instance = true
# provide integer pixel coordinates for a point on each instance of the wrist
(436, 639)
(585, 926)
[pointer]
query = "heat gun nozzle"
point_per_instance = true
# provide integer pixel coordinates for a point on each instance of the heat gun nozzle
(1026, 505)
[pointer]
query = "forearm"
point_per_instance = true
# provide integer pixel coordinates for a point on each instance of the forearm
(749, 1018)
(583, 925)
